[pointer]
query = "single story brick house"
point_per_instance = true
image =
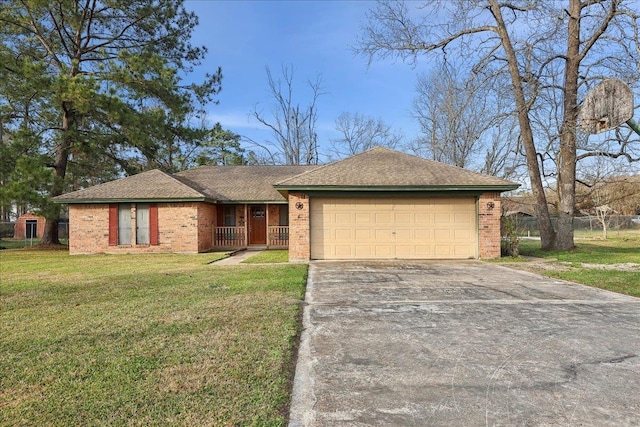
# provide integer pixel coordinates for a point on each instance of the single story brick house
(380, 204)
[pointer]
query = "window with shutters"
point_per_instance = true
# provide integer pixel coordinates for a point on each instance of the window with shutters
(147, 232)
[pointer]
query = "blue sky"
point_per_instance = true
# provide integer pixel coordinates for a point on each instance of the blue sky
(315, 38)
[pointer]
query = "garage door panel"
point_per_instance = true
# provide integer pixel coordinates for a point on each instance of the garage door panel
(461, 234)
(403, 235)
(383, 218)
(383, 251)
(364, 234)
(422, 218)
(402, 218)
(442, 234)
(363, 251)
(363, 228)
(342, 218)
(443, 251)
(461, 251)
(344, 234)
(422, 234)
(442, 218)
(363, 218)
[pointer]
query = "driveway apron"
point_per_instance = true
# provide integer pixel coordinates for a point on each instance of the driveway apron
(463, 343)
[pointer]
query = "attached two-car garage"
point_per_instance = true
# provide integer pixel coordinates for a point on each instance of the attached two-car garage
(383, 204)
(393, 227)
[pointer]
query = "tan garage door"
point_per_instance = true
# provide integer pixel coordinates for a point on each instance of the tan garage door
(404, 228)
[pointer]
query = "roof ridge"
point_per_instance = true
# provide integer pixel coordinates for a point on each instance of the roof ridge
(334, 162)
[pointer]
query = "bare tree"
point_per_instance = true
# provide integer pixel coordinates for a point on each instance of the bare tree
(359, 133)
(457, 115)
(295, 141)
(547, 49)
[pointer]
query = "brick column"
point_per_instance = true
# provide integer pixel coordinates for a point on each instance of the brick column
(489, 212)
(299, 233)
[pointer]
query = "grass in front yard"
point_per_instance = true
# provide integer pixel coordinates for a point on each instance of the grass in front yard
(145, 340)
(598, 263)
(10, 243)
(269, 257)
(612, 251)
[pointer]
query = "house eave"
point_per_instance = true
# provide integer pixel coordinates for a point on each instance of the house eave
(283, 189)
(253, 202)
(133, 200)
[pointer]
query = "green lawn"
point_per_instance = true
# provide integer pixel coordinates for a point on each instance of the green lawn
(145, 340)
(598, 263)
(10, 243)
(269, 257)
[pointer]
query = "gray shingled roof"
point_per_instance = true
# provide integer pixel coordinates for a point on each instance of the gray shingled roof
(150, 185)
(384, 168)
(241, 183)
(378, 168)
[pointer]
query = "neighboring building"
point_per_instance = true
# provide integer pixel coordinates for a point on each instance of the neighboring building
(29, 226)
(380, 204)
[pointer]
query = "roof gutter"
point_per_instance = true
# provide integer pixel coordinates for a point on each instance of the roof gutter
(283, 189)
(131, 200)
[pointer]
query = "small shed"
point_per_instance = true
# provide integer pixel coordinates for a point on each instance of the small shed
(29, 226)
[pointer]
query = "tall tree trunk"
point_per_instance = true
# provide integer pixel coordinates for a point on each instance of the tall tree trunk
(547, 234)
(567, 159)
(50, 236)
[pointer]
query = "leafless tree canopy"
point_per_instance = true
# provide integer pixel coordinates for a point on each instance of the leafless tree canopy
(550, 52)
(464, 122)
(359, 133)
(295, 141)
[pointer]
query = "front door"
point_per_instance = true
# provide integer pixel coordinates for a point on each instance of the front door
(257, 225)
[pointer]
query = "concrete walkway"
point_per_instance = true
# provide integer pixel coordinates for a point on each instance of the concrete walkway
(463, 343)
(237, 257)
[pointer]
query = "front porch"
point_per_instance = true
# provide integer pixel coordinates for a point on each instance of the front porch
(256, 225)
(237, 237)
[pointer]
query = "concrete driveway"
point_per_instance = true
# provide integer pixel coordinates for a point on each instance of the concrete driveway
(463, 344)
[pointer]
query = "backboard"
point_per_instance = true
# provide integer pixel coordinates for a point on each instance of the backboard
(608, 105)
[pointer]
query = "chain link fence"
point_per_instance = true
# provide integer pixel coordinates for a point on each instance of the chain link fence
(7, 233)
(528, 226)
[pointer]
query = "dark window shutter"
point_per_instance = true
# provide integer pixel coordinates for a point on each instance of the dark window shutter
(113, 225)
(153, 225)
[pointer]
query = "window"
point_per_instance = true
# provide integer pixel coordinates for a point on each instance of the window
(284, 215)
(124, 224)
(229, 216)
(142, 224)
(147, 232)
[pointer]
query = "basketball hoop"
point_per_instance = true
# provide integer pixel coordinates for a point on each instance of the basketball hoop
(608, 105)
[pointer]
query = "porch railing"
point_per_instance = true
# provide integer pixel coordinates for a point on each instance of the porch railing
(229, 237)
(278, 235)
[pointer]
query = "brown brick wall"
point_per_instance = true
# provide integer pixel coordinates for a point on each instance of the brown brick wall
(299, 243)
(207, 218)
(489, 225)
(177, 224)
(273, 215)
